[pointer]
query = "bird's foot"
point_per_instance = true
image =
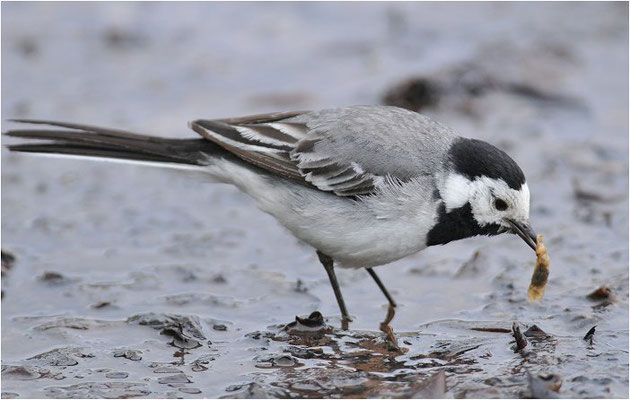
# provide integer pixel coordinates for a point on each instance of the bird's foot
(391, 312)
(389, 332)
(392, 342)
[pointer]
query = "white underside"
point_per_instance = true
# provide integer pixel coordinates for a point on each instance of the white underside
(373, 231)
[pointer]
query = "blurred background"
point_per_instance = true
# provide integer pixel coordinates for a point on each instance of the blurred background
(90, 249)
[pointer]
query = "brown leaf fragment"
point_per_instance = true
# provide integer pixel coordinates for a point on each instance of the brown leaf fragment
(602, 292)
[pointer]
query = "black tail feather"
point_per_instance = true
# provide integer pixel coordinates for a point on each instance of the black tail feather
(91, 141)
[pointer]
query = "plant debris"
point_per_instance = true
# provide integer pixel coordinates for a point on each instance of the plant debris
(521, 342)
(489, 329)
(602, 292)
(413, 94)
(535, 332)
(541, 272)
(314, 322)
(101, 304)
(8, 260)
(186, 330)
(589, 335)
(180, 338)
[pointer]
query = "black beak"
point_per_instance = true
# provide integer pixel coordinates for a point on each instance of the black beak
(524, 231)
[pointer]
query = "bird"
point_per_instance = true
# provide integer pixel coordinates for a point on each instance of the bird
(363, 185)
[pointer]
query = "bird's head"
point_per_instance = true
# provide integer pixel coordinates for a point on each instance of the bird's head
(485, 190)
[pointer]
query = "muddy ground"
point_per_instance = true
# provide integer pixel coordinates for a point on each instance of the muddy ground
(125, 281)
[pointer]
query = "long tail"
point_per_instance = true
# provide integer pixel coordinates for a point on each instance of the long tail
(96, 142)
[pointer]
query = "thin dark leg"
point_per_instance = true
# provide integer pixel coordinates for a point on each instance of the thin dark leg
(327, 262)
(391, 310)
(381, 286)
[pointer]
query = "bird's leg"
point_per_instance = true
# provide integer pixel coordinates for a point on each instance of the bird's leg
(392, 303)
(327, 262)
(391, 310)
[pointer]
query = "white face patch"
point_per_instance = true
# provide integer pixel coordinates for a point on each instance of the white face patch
(481, 193)
(456, 191)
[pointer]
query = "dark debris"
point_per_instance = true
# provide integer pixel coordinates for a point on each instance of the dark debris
(8, 261)
(602, 292)
(589, 335)
(413, 94)
(521, 342)
(535, 332)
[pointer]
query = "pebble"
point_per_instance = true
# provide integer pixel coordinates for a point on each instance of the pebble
(178, 378)
(116, 375)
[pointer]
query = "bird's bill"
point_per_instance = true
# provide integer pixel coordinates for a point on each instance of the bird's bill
(524, 231)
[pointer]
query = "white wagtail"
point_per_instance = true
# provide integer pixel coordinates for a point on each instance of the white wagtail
(363, 185)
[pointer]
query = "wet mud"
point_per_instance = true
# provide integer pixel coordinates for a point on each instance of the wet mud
(120, 281)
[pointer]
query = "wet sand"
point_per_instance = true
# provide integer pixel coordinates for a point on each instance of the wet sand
(136, 282)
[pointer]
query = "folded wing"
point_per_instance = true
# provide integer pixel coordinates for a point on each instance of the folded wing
(282, 144)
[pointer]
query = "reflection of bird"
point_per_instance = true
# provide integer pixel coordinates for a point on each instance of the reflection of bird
(364, 185)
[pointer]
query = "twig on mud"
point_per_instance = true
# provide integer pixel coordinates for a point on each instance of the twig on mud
(521, 342)
(493, 330)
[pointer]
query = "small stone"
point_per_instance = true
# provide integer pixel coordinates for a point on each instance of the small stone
(20, 373)
(190, 390)
(132, 355)
(101, 304)
(177, 378)
(116, 375)
(52, 277)
(277, 361)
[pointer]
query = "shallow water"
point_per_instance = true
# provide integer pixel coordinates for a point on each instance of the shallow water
(132, 282)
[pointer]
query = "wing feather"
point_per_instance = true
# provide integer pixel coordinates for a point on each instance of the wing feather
(349, 151)
(287, 149)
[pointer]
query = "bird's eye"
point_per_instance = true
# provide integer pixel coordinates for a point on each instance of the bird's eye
(500, 205)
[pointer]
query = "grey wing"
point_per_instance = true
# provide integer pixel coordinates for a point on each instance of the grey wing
(348, 151)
